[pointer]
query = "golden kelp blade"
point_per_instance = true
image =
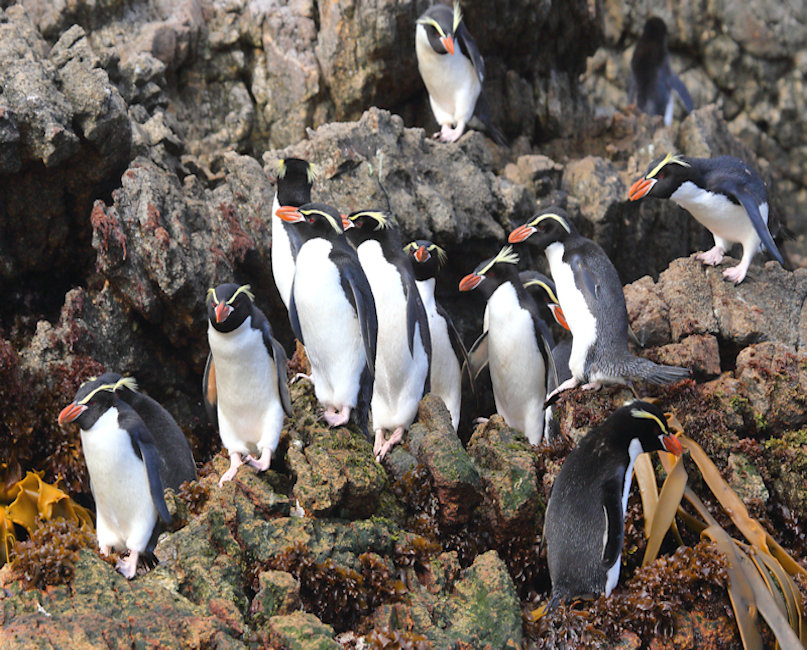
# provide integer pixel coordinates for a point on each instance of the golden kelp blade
(648, 488)
(668, 501)
(7, 536)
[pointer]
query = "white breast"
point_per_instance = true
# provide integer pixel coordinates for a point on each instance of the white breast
(450, 79)
(282, 259)
(573, 303)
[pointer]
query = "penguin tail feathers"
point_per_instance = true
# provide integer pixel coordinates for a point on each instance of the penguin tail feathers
(361, 414)
(482, 113)
(656, 373)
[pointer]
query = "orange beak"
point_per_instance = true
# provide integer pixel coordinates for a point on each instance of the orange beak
(672, 444)
(640, 188)
(520, 234)
(289, 214)
(346, 223)
(222, 311)
(421, 254)
(448, 43)
(557, 312)
(470, 282)
(70, 413)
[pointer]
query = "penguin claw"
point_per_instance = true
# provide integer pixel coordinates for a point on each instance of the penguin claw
(712, 257)
(261, 464)
(736, 274)
(128, 567)
(336, 419)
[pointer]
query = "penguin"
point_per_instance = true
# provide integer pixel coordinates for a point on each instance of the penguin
(295, 178)
(248, 387)
(448, 352)
(584, 526)
(333, 314)
(124, 468)
(591, 297)
(176, 458)
(403, 359)
(452, 70)
(724, 194)
(519, 344)
(652, 79)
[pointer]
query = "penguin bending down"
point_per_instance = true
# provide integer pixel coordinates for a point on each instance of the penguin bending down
(295, 177)
(248, 387)
(452, 70)
(403, 359)
(590, 294)
(724, 194)
(519, 344)
(448, 351)
(652, 79)
(332, 313)
(584, 525)
(124, 468)
(176, 458)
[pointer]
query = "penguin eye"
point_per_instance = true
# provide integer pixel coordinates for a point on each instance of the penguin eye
(661, 174)
(310, 219)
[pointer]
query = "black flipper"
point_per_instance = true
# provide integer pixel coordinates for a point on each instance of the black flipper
(478, 356)
(457, 345)
(469, 47)
(209, 392)
(278, 355)
(365, 309)
(294, 318)
(585, 282)
(482, 112)
(751, 207)
(612, 508)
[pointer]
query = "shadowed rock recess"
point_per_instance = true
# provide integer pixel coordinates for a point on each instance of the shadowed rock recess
(138, 148)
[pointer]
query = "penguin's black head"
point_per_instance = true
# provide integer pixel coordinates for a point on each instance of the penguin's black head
(655, 29)
(295, 178)
(545, 228)
(427, 258)
(542, 289)
(368, 224)
(663, 177)
(493, 272)
(94, 398)
(228, 305)
(441, 24)
(314, 220)
(646, 423)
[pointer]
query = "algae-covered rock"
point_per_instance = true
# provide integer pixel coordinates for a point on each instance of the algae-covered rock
(278, 595)
(301, 631)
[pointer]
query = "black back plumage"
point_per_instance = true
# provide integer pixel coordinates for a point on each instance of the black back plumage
(295, 178)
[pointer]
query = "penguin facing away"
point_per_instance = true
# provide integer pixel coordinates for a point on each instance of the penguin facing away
(448, 351)
(590, 294)
(403, 358)
(333, 314)
(176, 458)
(295, 178)
(124, 468)
(584, 526)
(248, 386)
(652, 80)
(452, 69)
(724, 194)
(519, 344)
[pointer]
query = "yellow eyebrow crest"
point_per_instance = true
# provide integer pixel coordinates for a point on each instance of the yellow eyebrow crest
(212, 292)
(504, 256)
(540, 283)
(640, 413)
(551, 215)
(431, 21)
(442, 257)
(669, 158)
(457, 16)
(244, 288)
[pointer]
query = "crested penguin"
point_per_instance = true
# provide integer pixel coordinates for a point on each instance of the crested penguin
(248, 386)
(124, 468)
(652, 79)
(176, 458)
(584, 526)
(448, 351)
(295, 178)
(403, 358)
(333, 314)
(452, 70)
(519, 344)
(593, 303)
(724, 194)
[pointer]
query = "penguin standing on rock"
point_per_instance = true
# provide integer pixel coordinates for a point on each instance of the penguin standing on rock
(593, 303)
(652, 80)
(452, 70)
(124, 468)
(448, 351)
(245, 378)
(724, 194)
(295, 177)
(404, 343)
(519, 344)
(333, 314)
(584, 525)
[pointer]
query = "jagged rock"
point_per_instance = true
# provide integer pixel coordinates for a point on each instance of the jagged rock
(745, 480)
(278, 595)
(699, 352)
(455, 477)
(301, 631)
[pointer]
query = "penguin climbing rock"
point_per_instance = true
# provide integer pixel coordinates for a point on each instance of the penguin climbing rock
(652, 80)
(124, 468)
(248, 385)
(591, 297)
(333, 314)
(448, 352)
(452, 70)
(295, 177)
(584, 524)
(724, 194)
(404, 343)
(176, 458)
(519, 344)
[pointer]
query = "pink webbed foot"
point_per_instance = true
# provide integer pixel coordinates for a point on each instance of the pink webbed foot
(592, 385)
(447, 134)
(566, 385)
(736, 274)
(394, 439)
(261, 464)
(127, 566)
(478, 421)
(336, 419)
(235, 463)
(712, 257)
(105, 550)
